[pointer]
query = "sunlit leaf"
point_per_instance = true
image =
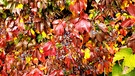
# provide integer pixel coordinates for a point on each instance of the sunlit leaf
(28, 59)
(43, 34)
(19, 6)
(128, 61)
(86, 53)
(32, 31)
(123, 53)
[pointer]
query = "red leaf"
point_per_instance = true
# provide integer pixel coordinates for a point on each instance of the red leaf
(74, 34)
(84, 15)
(34, 9)
(3, 73)
(67, 61)
(55, 22)
(36, 72)
(53, 51)
(9, 61)
(83, 25)
(74, 20)
(9, 36)
(131, 9)
(123, 32)
(53, 73)
(37, 19)
(47, 46)
(75, 8)
(83, 4)
(78, 7)
(103, 27)
(2, 43)
(2, 55)
(126, 23)
(41, 57)
(59, 27)
(49, 49)
(15, 31)
(57, 73)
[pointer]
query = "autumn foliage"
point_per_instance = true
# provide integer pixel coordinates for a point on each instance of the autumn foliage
(64, 37)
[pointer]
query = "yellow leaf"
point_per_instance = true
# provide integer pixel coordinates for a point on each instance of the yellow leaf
(115, 45)
(16, 53)
(62, 7)
(43, 34)
(118, 32)
(42, 68)
(108, 48)
(82, 51)
(26, 16)
(28, 59)
(32, 31)
(21, 20)
(87, 53)
(1, 50)
(116, 27)
(123, 42)
(126, 15)
(41, 51)
(118, 14)
(19, 6)
(15, 38)
(91, 16)
(35, 58)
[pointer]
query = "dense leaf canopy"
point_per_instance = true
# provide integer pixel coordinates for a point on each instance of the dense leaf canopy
(67, 37)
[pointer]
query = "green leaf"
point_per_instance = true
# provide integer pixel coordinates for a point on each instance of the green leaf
(116, 70)
(132, 73)
(28, 39)
(58, 45)
(123, 53)
(16, 40)
(4, 15)
(3, 2)
(39, 38)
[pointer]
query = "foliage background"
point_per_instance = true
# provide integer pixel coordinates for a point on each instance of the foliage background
(66, 37)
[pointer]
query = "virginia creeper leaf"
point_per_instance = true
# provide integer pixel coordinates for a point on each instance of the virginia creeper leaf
(123, 53)
(126, 23)
(131, 10)
(83, 25)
